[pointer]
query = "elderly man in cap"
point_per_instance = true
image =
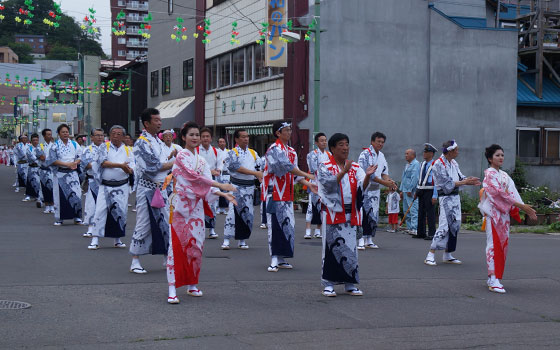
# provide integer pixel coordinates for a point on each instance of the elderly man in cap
(426, 194)
(408, 189)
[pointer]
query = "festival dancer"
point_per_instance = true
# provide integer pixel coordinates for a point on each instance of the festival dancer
(224, 178)
(373, 156)
(33, 188)
(341, 182)
(89, 168)
(115, 165)
(241, 164)
(67, 193)
(45, 171)
(193, 185)
(151, 234)
(171, 149)
(314, 159)
(278, 184)
(448, 179)
(499, 199)
(215, 161)
(20, 156)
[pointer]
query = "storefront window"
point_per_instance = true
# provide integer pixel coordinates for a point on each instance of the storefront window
(225, 70)
(249, 62)
(239, 66)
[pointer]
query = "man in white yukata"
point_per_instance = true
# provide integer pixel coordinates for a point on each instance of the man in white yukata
(33, 189)
(151, 234)
(408, 189)
(369, 157)
(448, 178)
(241, 162)
(115, 165)
(224, 178)
(215, 159)
(45, 172)
(171, 149)
(314, 159)
(278, 183)
(89, 158)
(20, 157)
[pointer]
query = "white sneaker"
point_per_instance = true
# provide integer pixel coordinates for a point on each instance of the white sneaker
(26, 199)
(87, 235)
(307, 236)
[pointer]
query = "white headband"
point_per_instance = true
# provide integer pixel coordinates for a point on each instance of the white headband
(452, 147)
(168, 132)
(284, 125)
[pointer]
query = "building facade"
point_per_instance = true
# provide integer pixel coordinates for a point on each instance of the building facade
(38, 44)
(7, 55)
(171, 64)
(132, 44)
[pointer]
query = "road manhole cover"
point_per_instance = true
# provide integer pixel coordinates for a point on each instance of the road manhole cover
(13, 305)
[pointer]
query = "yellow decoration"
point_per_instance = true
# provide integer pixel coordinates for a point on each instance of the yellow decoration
(173, 36)
(18, 19)
(184, 37)
(195, 35)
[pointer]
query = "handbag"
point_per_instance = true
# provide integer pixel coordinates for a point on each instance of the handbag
(157, 200)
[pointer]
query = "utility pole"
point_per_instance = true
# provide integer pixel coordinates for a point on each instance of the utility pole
(317, 72)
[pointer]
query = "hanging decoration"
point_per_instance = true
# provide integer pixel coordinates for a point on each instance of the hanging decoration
(206, 31)
(180, 31)
(2, 7)
(263, 34)
(145, 28)
(54, 16)
(89, 22)
(118, 25)
(234, 34)
(310, 30)
(64, 87)
(25, 13)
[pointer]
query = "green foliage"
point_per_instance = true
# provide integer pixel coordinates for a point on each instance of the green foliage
(299, 193)
(469, 204)
(538, 197)
(519, 174)
(68, 34)
(59, 52)
(23, 51)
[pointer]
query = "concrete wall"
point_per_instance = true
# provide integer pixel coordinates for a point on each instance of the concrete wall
(538, 117)
(165, 52)
(462, 8)
(418, 79)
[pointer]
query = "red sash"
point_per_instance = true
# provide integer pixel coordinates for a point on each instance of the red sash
(283, 186)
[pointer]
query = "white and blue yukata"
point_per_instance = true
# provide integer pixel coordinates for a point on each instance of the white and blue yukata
(214, 159)
(372, 194)
(446, 173)
(89, 156)
(67, 191)
(45, 172)
(314, 159)
(33, 188)
(112, 200)
(409, 182)
(20, 156)
(151, 233)
(240, 217)
(342, 214)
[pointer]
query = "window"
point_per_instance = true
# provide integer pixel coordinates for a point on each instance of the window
(165, 80)
(212, 71)
(249, 63)
(212, 3)
(260, 70)
(552, 150)
(238, 66)
(21, 39)
(40, 46)
(41, 40)
(225, 70)
(121, 53)
(154, 82)
(121, 3)
(188, 74)
(169, 7)
(30, 40)
(122, 41)
(528, 142)
(276, 71)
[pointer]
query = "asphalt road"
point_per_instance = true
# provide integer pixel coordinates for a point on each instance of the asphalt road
(88, 300)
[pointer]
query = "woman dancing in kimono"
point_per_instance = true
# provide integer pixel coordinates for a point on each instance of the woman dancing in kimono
(193, 186)
(499, 199)
(341, 182)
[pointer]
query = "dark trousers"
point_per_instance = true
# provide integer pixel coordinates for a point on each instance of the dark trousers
(426, 208)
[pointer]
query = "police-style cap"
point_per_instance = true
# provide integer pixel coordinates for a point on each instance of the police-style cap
(428, 147)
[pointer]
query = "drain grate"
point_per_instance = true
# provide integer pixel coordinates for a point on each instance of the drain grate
(13, 305)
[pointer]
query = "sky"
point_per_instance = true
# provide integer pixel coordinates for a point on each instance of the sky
(79, 8)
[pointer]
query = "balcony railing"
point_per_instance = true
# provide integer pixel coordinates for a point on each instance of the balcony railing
(135, 43)
(137, 6)
(132, 31)
(135, 18)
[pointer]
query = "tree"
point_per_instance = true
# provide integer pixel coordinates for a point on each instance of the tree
(60, 52)
(23, 51)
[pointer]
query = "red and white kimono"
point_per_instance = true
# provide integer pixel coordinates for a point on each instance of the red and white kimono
(496, 205)
(193, 185)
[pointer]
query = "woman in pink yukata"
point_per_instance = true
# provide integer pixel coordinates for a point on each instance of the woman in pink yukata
(193, 186)
(498, 201)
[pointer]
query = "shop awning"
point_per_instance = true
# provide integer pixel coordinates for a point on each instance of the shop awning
(175, 112)
(265, 129)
